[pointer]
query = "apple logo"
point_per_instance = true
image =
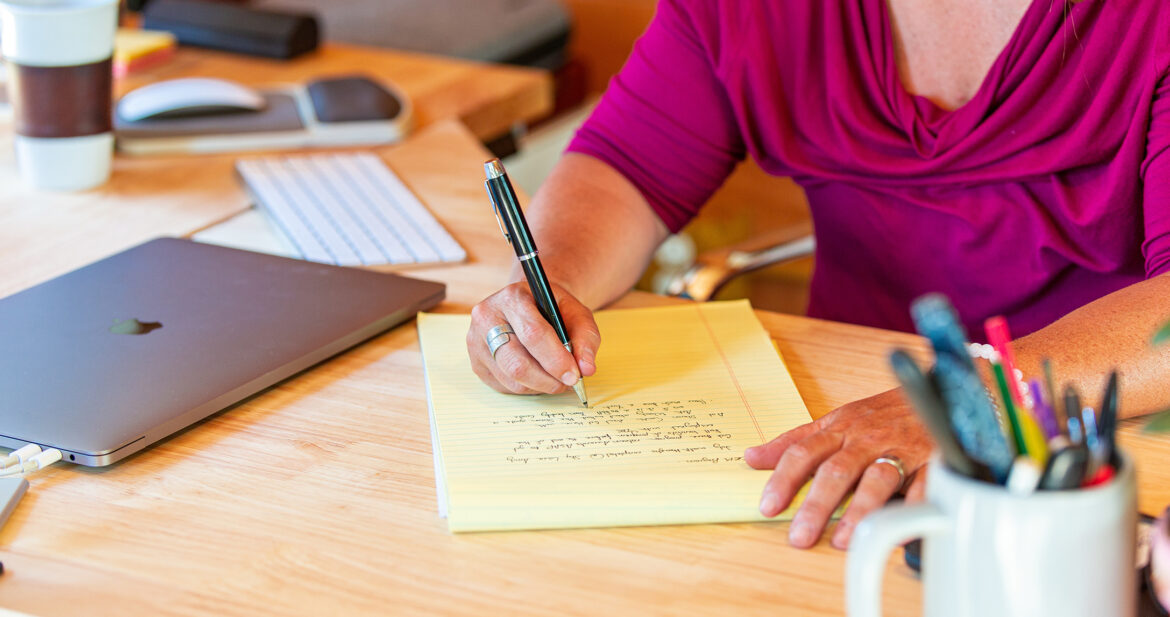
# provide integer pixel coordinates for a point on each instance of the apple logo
(133, 326)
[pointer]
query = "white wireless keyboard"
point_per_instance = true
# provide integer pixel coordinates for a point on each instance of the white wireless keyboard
(347, 209)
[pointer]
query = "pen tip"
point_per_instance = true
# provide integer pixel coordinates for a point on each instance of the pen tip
(579, 388)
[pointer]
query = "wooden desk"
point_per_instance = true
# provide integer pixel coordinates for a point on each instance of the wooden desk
(152, 196)
(317, 497)
(487, 98)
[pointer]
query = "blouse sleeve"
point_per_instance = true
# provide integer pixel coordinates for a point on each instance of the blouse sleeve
(1155, 169)
(1156, 179)
(665, 122)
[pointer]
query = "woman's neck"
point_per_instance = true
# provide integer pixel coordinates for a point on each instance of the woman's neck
(945, 48)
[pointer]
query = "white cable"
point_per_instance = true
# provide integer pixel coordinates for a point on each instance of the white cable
(40, 461)
(20, 455)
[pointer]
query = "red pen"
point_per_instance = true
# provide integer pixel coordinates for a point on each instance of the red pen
(1103, 476)
(1000, 338)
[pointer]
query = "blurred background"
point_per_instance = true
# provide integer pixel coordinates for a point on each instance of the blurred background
(583, 43)
(752, 211)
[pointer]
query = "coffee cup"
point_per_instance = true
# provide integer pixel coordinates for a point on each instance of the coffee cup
(59, 55)
(987, 551)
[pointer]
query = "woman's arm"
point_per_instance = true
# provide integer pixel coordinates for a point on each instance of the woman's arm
(1114, 331)
(595, 231)
(838, 449)
(661, 140)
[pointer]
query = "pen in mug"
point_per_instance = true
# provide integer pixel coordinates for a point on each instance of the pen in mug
(924, 398)
(1066, 469)
(1009, 408)
(1075, 432)
(1043, 410)
(1050, 391)
(515, 230)
(1107, 422)
(1092, 439)
(1072, 409)
(1000, 337)
(972, 417)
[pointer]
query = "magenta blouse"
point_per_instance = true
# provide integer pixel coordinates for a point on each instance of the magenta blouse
(1049, 189)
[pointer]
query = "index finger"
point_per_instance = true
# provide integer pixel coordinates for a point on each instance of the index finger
(541, 341)
(796, 466)
(583, 333)
(767, 455)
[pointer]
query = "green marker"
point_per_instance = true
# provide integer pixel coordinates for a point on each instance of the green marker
(1009, 409)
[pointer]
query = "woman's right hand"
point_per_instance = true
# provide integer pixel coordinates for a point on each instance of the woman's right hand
(533, 361)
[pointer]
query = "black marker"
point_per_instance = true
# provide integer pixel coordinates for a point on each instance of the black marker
(1066, 469)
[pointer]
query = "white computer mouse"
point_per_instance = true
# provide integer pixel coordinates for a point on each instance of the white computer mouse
(187, 97)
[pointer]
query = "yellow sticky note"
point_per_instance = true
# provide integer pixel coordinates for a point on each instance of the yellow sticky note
(679, 394)
(131, 44)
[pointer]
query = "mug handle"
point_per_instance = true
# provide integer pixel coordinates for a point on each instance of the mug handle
(875, 537)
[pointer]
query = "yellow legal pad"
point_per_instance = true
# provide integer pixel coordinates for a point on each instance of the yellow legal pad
(679, 394)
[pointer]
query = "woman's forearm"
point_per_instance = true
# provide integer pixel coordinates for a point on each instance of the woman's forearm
(1113, 331)
(595, 231)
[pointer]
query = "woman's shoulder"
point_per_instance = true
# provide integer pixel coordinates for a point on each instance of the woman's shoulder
(725, 27)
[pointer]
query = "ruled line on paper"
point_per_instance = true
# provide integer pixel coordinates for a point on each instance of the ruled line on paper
(730, 371)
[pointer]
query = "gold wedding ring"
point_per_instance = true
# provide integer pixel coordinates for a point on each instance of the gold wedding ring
(896, 463)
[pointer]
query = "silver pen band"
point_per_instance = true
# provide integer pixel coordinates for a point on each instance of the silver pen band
(527, 256)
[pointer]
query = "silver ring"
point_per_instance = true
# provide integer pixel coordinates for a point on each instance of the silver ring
(896, 463)
(497, 336)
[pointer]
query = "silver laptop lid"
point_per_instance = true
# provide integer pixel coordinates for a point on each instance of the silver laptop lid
(105, 360)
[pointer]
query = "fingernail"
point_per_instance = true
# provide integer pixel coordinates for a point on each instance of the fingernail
(587, 362)
(569, 378)
(800, 534)
(769, 504)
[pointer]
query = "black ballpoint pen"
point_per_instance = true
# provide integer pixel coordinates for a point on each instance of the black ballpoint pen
(515, 230)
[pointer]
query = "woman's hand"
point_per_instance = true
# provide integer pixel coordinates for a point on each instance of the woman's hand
(533, 361)
(838, 451)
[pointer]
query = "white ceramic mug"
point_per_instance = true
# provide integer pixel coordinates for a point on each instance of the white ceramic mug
(60, 69)
(989, 553)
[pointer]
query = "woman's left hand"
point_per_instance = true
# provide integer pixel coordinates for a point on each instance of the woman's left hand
(838, 451)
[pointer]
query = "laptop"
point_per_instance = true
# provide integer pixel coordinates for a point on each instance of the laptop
(106, 360)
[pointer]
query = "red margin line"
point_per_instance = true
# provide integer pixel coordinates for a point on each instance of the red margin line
(731, 372)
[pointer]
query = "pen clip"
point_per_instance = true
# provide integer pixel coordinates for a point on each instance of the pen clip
(496, 211)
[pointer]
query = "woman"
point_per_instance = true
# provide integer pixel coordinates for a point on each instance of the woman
(1010, 154)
